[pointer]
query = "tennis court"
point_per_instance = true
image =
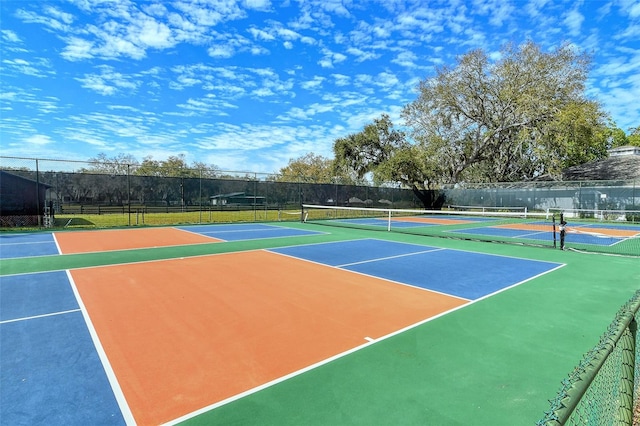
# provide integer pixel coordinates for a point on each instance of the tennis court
(291, 324)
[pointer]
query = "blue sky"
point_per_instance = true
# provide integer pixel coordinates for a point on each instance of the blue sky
(248, 85)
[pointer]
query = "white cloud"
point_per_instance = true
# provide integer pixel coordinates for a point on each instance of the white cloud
(330, 58)
(108, 82)
(406, 58)
(77, 49)
(38, 140)
(534, 8)
(341, 79)
(630, 8)
(263, 92)
(287, 34)
(115, 46)
(154, 34)
(209, 14)
(221, 51)
(56, 22)
(259, 34)
(314, 83)
(35, 68)
(54, 12)
(258, 4)
(9, 36)
(573, 20)
(295, 113)
(362, 55)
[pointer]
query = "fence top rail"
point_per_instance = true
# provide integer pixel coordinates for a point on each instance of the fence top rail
(263, 176)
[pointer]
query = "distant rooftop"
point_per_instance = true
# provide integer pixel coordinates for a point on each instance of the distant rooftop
(623, 164)
(624, 150)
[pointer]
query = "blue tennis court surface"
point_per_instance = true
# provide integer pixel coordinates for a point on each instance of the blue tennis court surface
(506, 232)
(49, 359)
(23, 245)
(382, 222)
(576, 235)
(23, 296)
(458, 273)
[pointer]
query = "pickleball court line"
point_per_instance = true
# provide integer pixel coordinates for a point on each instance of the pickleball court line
(528, 234)
(55, 240)
(3, 245)
(51, 314)
(267, 228)
(111, 377)
(379, 259)
(453, 296)
(139, 248)
(430, 290)
(519, 283)
(246, 228)
(369, 341)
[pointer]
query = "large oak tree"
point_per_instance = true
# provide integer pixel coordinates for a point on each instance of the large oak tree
(516, 118)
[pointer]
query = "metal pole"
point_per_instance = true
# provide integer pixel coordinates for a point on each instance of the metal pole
(129, 194)
(38, 194)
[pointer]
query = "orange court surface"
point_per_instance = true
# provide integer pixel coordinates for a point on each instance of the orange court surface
(189, 333)
(126, 239)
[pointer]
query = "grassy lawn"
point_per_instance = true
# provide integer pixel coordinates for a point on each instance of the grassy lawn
(75, 221)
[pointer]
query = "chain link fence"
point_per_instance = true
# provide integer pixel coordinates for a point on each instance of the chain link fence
(40, 192)
(602, 388)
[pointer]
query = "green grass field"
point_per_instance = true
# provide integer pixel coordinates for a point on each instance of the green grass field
(136, 218)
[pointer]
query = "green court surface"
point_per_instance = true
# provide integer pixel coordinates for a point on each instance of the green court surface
(496, 361)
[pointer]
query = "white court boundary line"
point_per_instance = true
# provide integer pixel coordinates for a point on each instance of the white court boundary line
(55, 240)
(380, 259)
(370, 341)
(3, 245)
(52, 314)
(111, 376)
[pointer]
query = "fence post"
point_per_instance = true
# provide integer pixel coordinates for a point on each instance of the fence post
(38, 195)
(129, 194)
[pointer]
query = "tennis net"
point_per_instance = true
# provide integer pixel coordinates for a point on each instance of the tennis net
(516, 226)
(519, 227)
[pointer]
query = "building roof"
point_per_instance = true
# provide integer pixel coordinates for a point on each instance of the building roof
(616, 167)
(235, 195)
(6, 174)
(625, 150)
